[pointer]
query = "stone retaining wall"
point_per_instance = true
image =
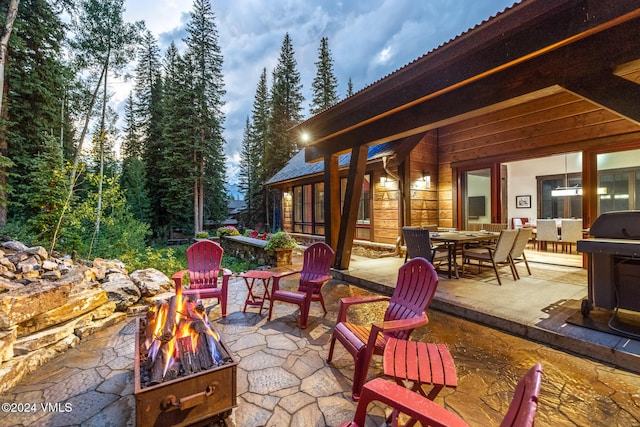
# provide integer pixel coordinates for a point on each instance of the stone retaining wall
(252, 250)
(47, 305)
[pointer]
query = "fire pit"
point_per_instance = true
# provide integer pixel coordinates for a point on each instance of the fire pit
(184, 373)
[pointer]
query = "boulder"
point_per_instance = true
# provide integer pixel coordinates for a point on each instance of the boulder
(150, 281)
(77, 305)
(123, 293)
(15, 246)
(22, 304)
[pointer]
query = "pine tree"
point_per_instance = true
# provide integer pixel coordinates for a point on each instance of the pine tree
(5, 162)
(349, 88)
(325, 83)
(142, 128)
(259, 136)
(49, 183)
(36, 80)
(250, 184)
(172, 162)
(207, 164)
(147, 76)
(285, 110)
(133, 178)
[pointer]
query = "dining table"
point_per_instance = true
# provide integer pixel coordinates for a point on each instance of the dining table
(454, 240)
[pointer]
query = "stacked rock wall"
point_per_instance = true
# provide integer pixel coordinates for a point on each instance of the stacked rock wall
(48, 304)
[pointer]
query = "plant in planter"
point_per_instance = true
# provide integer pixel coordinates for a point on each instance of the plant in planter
(227, 230)
(282, 244)
(202, 235)
(280, 240)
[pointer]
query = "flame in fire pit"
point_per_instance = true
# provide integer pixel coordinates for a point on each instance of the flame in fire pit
(179, 339)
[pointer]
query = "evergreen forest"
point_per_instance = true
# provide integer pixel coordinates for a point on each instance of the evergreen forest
(74, 181)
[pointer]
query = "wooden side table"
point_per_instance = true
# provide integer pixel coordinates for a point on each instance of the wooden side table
(422, 364)
(253, 298)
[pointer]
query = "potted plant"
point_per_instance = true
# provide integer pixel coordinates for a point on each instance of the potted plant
(201, 235)
(282, 243)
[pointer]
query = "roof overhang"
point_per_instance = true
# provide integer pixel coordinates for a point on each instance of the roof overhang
(535, 48)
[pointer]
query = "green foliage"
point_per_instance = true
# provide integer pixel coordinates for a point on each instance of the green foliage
(227, 230)
(49, 192)
(167, 260)
(202, 235)
(170, 260)
(280, 240)
(119, 231)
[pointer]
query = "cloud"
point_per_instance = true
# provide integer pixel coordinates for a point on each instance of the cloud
(368, 40)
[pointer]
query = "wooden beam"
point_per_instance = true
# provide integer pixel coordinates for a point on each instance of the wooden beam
(352, 195)
(331, 201)
(611, 92)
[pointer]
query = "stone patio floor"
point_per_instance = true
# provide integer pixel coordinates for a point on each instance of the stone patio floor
(284, 380)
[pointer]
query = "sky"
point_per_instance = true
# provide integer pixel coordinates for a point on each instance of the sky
(368, 40)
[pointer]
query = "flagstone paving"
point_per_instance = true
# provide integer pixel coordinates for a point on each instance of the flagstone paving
(284, 380)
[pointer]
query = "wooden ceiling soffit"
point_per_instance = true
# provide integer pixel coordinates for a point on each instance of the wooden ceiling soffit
(507, 53)
(611, 92)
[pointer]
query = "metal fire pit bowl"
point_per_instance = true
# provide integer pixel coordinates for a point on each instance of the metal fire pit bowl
(195, 400)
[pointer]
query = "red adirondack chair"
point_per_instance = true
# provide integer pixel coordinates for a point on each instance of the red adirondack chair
(415, 288)
(315, 272)
(203, 260)
(521, 412)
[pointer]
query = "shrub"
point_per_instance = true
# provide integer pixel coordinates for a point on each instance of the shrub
(202, 235)
(280, 240)
(227, 230)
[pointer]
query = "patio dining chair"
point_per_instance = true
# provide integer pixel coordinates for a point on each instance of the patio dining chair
(414, 291)
(517, 250)
(204, 260)
(500, 254)
(521, 412)
(418, 243)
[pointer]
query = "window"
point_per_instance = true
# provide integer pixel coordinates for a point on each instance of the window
(308, 209)
(618, 181)
(559, 206)
(617, 190)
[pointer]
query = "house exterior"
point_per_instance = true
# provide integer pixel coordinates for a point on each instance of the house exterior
(469, 132)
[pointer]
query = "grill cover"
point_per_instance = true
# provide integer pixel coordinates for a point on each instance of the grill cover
(617, 225)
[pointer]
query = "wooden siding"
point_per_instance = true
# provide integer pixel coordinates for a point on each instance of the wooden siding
(385, 211)
(423, 202)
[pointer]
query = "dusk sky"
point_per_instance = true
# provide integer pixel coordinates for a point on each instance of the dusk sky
(368, 39)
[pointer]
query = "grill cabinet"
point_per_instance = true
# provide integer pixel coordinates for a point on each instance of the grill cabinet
(613, 262)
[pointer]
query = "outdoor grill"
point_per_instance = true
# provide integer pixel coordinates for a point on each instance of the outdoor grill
(184, 373)
(613, 262)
